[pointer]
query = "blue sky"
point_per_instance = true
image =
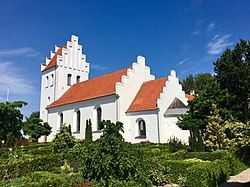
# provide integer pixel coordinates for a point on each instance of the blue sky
(183, 35)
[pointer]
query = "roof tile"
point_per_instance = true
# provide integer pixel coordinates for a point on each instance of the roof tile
(146, 98)
(94, 88)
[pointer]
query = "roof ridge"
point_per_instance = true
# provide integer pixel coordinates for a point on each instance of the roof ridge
(156, 80)
(102, 75)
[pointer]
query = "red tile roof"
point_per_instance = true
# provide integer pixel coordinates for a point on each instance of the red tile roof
(189, 97)
(53, 61)
(94, 88)
(146, 98)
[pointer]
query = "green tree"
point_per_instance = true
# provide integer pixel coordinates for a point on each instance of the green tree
(11, 121)
(215, 137)
(233, 74)
(197, 83)
(88, 132)
(110, 158)
(63, 139)
(197, 118)
(35, 128)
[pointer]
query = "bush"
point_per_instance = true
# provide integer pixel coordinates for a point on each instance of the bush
(63, 139)
(112, 158)
(45, 179)
(88, 132)
(175, 144)
(24, 167)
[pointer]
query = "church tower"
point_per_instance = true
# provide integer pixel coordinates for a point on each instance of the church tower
(66, 66)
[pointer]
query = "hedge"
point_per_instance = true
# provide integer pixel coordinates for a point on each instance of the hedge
(204, 172)
(44, 179)
(26, 166)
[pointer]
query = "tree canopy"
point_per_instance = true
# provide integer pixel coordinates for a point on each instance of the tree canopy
(233, 75)
(228, 90)
(35, 128)
(11, 121)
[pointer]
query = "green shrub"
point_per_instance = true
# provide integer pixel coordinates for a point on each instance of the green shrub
(206, 174)
(26, 166)
(178, 168)
(88, 132)
(63, 139)
(175, 144)
(44, 179)
(112, 158)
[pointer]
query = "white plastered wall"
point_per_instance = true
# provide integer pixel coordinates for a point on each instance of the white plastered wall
(128, 88)
(73, 62)
(87, 110)
(167, 125)
(151, 121)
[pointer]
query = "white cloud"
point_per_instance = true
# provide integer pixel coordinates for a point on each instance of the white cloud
(23, 51)
(12, 77)
(98, 67)
(211, 27)
(196, 32)
(181, 62)
(218, 44)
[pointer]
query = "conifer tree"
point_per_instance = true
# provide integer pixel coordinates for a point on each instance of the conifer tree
(88, 132)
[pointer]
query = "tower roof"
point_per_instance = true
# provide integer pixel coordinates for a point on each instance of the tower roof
(53, 61)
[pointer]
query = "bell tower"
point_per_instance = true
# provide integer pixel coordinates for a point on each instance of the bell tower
(66, 66)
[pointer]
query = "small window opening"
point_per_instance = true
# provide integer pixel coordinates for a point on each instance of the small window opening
(69, 79)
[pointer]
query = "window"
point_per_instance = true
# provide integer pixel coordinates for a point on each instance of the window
(78, 121)
(99, 118)
(61, 119)
(52, 79)
(69, 79)
(142, 129)
(47, 82)
(78, 79)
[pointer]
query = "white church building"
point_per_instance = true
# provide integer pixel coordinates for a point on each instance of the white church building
(148, 107)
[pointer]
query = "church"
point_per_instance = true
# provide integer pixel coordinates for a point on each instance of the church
(148, 107)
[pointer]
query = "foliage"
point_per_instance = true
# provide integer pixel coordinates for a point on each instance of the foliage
(88, 132)
(174, 145)
(238, 134)
(11, 121)
(44, 178)
(63, 139)
(233, 75)
(112, 158)
(24, 166)
(35, 128)
(197, 83)
(215, 137)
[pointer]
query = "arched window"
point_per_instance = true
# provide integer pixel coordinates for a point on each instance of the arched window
(78, 121)
(78, 79)
(99, 118)
(69, 79)
(142, 128)
(61, 119)
(47, 82)
(52, 80)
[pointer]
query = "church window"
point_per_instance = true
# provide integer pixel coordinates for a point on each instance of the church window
(142, 128)
(99, 118)
(47, 82)
(69, 79)
(61, 119)
(78, 121)
(52, 79)
(78, 79)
